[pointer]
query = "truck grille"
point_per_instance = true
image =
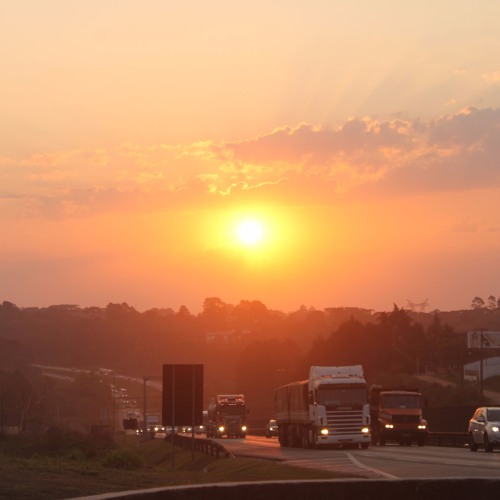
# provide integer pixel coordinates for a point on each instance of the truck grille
(344, 421)
(406, 419)
(232, 422)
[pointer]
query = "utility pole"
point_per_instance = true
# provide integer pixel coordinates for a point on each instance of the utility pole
(144, 423)
(481, 351)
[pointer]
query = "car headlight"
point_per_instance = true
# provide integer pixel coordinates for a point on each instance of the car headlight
(389, 426)
(495, 428)
(422, 427)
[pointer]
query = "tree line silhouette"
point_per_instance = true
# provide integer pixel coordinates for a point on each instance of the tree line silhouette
(245, 348)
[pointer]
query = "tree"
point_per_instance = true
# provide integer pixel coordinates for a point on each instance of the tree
(444, 346)
(249, 312)
(492, 302)
(477, 303)
(214, 313)
(8, 310)
(406, 342)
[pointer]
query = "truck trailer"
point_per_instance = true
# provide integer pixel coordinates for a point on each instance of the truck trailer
(397, 415)
(227, 415)
(330, 408)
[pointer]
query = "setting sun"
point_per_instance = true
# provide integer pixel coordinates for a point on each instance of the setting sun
(250, 232)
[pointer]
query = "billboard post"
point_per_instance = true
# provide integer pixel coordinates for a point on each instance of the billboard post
(182, 402)
(482, 341)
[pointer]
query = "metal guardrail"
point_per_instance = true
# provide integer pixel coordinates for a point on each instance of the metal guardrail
(217, 450)
(445, 439)
(206, 446)
(455, 439)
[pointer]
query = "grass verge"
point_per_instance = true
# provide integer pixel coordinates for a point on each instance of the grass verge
(131, 465)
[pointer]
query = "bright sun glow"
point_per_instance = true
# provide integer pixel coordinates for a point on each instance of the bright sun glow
(250, 232)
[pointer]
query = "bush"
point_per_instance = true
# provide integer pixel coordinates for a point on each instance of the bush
(58, 442)
(123, 459)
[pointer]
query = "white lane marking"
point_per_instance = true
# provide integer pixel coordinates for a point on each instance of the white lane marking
(339, 463)
(371, 469)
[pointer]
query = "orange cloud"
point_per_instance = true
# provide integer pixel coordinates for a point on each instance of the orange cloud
(302, 164)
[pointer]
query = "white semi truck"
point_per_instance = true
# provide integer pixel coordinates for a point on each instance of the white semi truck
(329, 408)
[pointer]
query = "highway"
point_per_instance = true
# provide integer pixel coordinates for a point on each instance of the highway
(390, 462)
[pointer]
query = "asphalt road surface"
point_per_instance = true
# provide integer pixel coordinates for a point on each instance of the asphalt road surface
(391, 461)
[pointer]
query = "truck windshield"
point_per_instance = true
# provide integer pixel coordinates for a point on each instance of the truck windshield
(341, 396)
(232, 410)
(400, 401)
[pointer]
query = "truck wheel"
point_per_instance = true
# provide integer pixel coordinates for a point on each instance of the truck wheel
(304, 442)
(291, 438)
(282, 436)
(487, 445)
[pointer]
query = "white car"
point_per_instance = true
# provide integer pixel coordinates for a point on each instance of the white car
(484, 428)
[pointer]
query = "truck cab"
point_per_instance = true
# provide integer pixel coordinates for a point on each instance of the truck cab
(397, 415)
(227, 416)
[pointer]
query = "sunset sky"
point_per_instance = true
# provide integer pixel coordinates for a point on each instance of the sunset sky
(360, 138)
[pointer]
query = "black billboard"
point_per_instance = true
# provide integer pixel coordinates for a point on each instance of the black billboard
(182, 395)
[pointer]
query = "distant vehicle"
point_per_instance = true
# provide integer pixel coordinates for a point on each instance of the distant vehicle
(271, 428)
(201, 429)
(396, 415)
(154, 431)
(130, 423)
(227, 416)
(159, 431)
(329, 408)
(484, 428)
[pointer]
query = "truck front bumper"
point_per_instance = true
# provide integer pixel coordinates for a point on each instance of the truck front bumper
(343, 439)
(403, 435)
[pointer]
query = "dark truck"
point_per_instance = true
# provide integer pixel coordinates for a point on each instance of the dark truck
(227, 416)
(396, 415)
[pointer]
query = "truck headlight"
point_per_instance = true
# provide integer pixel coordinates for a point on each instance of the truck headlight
(495, 428)
(365, 430)
(422, 427)
(221, 428)
(244, 428)
(324, 431)
(389, 426)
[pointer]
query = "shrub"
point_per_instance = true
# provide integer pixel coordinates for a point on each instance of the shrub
(123, 459)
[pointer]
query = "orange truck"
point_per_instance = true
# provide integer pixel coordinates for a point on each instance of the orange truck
(397, 415)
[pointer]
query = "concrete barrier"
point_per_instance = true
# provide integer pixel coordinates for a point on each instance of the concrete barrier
(339, 489)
